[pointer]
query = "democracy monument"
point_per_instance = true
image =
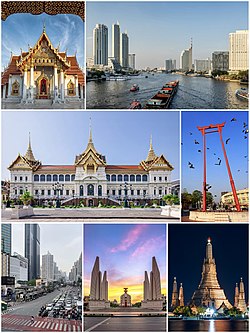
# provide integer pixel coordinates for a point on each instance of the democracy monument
(209, 294)
(152, 296)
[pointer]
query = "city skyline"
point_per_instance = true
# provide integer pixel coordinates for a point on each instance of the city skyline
(65, 252)
(236, 149)
(159, 16)
(21, 30)
(130, 146)
(125, 252)
(231, 264)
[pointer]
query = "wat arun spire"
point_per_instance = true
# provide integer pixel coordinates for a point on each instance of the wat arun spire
(209, 293)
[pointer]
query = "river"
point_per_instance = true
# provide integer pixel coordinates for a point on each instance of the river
(193, 92)
(208, 325)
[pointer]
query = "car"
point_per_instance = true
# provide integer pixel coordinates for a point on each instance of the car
(49, 307)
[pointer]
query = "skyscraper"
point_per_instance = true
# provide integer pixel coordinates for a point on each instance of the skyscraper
(48, 267)
(32, 249)
(116, 41)
(186, 58)
(124, 50)
(238, 51)
(220, 60)
(131, 60)
(100, 45)
(5, 249)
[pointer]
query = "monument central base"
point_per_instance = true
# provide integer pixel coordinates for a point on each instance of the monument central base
(98, 305)
(152, 305)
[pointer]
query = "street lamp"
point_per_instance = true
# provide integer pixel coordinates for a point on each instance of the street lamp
(58, 187)
(125, 188)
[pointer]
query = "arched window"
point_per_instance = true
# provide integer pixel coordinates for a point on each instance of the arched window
(119, 178)
(15, 88)
(90, 189)
(81, 190)
(42, 178)
(61, 178)
(138, 178)
(125, 178)
(67, 178)
(48, 178)
(100, 190)
(144, 178)
(113, 178)
(72, 178)
(108, 178)
(55, 178)
(36, 178)
(132, 178)
(71, 88)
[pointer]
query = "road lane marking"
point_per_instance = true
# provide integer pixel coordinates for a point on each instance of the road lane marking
(56, 327)
(96, 325)
(40, 324)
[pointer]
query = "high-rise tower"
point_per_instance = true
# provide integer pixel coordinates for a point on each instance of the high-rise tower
(174, 302)
(124, 49)
(100, 45)
(116, 41)
(32, 249)
(209, 292)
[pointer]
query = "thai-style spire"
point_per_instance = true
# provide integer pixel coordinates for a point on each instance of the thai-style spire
(209, 292)
(90, 142)
(241, 300)
(174, 302)
(181, 295)
(29, 154)
(151, 154)
(236, 296)
(209, 250)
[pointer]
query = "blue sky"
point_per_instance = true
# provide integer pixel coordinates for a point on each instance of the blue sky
(125, 252)
(19, 30)
(236, 148)
(57, 137)
(69, 238)
(161, 30)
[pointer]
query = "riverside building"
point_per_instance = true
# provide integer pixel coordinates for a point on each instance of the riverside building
(91, 181)
(238, 51)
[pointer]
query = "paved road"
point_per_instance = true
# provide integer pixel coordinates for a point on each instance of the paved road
(32, 308)
(125, 324)
(95, 214)
(11, 322)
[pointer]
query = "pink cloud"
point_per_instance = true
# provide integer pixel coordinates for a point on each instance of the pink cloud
(130, 239)
(150, 246)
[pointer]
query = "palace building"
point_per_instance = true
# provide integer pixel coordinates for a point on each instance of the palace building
(42, 73)
(90, 181)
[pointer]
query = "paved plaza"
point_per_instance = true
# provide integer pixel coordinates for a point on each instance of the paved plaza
(44, 105)
(125, 324)
(93, 214)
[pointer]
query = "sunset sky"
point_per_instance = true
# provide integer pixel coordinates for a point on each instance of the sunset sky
(125, 252)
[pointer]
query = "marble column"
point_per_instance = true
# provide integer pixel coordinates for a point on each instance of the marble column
(4, 91)
(25, 81)
(32, 79)
(10, 86)
(55, 82)
(62, 84)
(76, 86)
(81, 91)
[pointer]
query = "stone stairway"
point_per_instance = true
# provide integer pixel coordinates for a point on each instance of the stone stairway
(221, 217)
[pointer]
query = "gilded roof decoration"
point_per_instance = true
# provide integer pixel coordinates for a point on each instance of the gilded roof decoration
(39, 7)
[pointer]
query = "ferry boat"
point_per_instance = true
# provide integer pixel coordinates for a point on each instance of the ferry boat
(134, 87)
(163, 98)
(242, 94)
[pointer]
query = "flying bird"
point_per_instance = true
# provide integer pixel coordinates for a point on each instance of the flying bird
(246, 131)
(190, 133)
(191, 166)
(244, 124)
(227, 140)
(208, 148)
(233, 119)
(196, 142)
(199, 151)
(245, 136)
(214, 153)
(238, 170)
(219, 163)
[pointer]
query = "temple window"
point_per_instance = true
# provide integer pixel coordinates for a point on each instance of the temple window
(144, 178)
(72, 178)
(99, 190)
(15, 89)
(36, 178)
(126, 178)
(48, 178)
(132, 178)
(42, 178)
(138, 178)
(55, 178)
(71, 88)
(119, 178)
(61, 178)
(113, 178)
(108, 178)
(67, 178)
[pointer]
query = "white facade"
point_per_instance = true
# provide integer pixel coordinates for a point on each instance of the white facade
(19, 267)
(116, 41)
(238, 51)
(100, 44)
(170, 64)
(186, 60)
(48, 267)
(124, 49)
